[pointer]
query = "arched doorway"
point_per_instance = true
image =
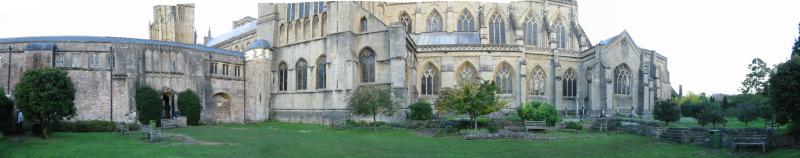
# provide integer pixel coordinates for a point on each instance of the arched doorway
(167, 104)
(222, 110)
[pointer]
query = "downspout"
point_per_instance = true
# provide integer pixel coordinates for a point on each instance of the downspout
(111, 84)
(244, 88)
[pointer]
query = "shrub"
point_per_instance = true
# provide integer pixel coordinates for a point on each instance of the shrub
(421, 110)
(45, 96)
(6, 114)
(667, 111)
(539, 111)
(148, 105)
(86, 126)
(690, 109)
(371, 101)
(189, 104)
(574, 125)
(710, 113)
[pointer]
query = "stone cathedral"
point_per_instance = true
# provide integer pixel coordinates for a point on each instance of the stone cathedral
(299, 62)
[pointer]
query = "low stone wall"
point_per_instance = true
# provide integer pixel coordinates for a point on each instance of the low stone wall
(697, 135)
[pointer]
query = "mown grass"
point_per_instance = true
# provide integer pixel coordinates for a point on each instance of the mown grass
(273, 139)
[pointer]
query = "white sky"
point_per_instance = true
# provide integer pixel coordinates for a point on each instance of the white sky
(708, 42)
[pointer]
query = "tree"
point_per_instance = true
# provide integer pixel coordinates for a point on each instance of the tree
(471, 99)
(538, 111)
(747, 112)
(667, 111)
(189, 104)
(6, 114)
(148, 105)
(756, 79)
(45, 96)
(725, 103)
(710, 113)
(371, 101)
(796, 48)
(784, 92)
(421, 110)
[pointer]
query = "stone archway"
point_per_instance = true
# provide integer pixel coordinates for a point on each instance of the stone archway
(168, 102)
(222, 107)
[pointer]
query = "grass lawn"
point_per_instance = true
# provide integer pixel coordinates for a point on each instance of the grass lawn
(273, 139)
(732, 122)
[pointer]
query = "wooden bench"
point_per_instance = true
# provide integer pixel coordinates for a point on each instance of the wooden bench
(754, 140)
(535, 125)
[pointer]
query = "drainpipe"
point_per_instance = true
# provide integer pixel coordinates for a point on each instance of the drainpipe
(111, 84)
(8, 80)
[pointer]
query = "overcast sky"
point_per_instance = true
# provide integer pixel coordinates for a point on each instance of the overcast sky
(708, 42)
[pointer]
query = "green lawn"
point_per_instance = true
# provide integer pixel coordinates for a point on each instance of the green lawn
(732, 122)
(274, 139)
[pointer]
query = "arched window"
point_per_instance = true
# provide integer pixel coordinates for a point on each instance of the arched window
(321, 72)
(367, 61)
(406, 21)
(467, 74)
(569, 83)
(434, 22)
(503, 79)
(530, 31)
(363, 24)
(561, 36)
(283, 76)
(290, 11)
(538, 79)
(430, 80)
(497, 30)
(622, 80)
(465, 22)
(302, 75)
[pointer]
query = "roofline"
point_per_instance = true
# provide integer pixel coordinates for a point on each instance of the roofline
(108, 39)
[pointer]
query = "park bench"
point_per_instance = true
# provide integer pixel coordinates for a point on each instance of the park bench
(122, 128)
(535, 125)
(753, 140)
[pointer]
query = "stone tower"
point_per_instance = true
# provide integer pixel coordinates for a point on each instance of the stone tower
(173, 23)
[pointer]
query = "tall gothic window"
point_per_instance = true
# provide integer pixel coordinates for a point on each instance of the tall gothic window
(467, 74)
(497, 30)
(465, 22)
(290, 11)
(406, 21)
(430, 80)
(503, 79)
(569, 84)
(367, 61)
(321, 72)
(320, 7)
(302, 10)
(363, 24)
(435, 22)
(561, 36)
(530, 31)
(622, 80)
(301, 69)
(539, 79)
(308, 9)
(283, 76)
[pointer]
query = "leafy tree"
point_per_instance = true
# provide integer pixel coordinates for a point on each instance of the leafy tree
(421, 110)
(784, 92)
(796, 48)
(471, 99)
(725, 103)
(756, 79)
(710, 113)
(667, 111)
(148, 105)
(747, 112)
(6, 114)
(371, 101)
(189, 104)
(539, 111)
(45, 96)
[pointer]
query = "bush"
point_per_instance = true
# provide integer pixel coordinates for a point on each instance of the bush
(667, 111)
(746, 112)
(539, 111)
(86, 126)
(421, 110)
(45, 96)
(574, 125)
(6, 114)
(148, 105)
(710, 113)
(189, 104)
(690, 109)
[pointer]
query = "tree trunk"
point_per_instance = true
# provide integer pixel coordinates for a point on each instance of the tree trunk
(474, 121)
(374, 123)
(44, 129)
